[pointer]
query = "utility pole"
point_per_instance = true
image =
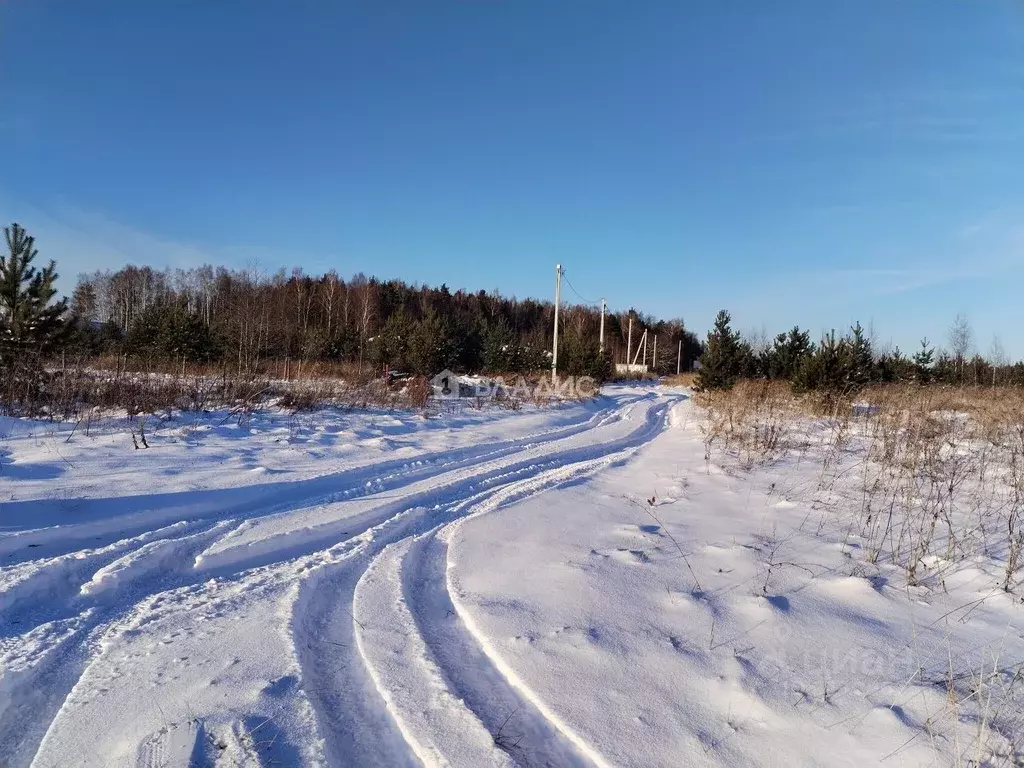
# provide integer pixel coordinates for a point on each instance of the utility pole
(679, 358)
(558, 301)
(629, 341)
(641, 346)
(654, 362)
(602, 324)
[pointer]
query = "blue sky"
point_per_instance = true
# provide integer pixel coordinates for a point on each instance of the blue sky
(796, 162)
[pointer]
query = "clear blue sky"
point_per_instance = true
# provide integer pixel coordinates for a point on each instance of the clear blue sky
(796, 162)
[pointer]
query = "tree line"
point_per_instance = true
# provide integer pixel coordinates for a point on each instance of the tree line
(244, 318)
(847, 362)
(240, 319)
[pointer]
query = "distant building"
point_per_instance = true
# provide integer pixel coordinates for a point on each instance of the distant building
(631, 367)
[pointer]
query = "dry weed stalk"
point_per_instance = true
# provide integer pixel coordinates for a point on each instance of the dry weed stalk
(930, 479)
(935, 474)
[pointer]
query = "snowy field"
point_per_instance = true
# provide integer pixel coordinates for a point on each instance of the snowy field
(577, 586)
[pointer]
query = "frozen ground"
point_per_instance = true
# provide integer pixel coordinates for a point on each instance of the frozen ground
(576, 586)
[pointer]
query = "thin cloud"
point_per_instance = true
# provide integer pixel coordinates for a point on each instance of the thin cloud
(82, 241)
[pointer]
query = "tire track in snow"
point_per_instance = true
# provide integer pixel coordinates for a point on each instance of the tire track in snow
(435, 721)
(42, 665)
(30, 670)
(396, 517)
(325, 582)
(452, 704)
(250, 502)
(350, 706)
(516, 683)
(302, 531)
(60, 577)
(86, 589)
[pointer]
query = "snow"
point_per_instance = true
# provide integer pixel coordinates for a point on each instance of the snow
(576, 585)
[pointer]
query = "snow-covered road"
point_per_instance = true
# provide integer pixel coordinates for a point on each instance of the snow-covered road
(332, 589)
(266, 622)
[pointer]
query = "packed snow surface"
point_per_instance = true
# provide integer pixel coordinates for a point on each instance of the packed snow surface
(575, 586)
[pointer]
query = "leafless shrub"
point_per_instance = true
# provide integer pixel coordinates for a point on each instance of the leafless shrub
(418, 392)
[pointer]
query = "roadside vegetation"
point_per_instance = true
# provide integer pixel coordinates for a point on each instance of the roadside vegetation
(936, 474)
(143, 339)
(841, 365)
(930, 449)
(914, 465)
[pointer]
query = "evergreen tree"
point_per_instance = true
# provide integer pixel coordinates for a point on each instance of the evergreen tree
(581, 355)
(100, 339)
(923, 360)
(861, 361)
(535, 352)
(893, 366)
(723, 358)
(946, 370)
(465, 342)
(171, 332)
(749, 362)
(184, 336)
(342, 344)
(29, 323)
(433, 347)
(794, 347)
(837, 364)
(827, 369)
(501, 349)
(390, 346)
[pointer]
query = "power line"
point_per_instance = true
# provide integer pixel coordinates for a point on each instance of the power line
(573, 289)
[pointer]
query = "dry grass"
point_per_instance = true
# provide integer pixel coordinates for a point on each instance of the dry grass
(271, 370)
(936, 474)
(74, 390)
(753, 420)
(926, 481)
(80, 393)
(680, 380)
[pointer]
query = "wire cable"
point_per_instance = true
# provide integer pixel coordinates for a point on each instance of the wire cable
(573, 289)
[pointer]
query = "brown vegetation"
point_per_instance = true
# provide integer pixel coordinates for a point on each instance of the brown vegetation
(936, 474)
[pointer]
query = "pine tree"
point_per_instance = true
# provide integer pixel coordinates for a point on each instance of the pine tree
(861, 359)
(390, 346)
(923, 360)
(433, 346)
(781, 360)
(501, 348)
(30, 325)
(171, 332)
(827, 369)
(837, 365)
(581, 355)
(893, 366)
(722, 361)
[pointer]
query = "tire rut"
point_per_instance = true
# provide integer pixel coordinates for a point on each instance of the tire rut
(328, 633)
